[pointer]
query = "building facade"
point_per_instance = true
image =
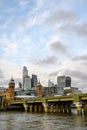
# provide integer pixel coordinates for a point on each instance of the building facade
(39, 91)
(25, 74)
(50, 84)
(27, 83)
(68, 81)
(9, 94)
(34, 81)
(64, 81)
(49, 91)
(26, 79)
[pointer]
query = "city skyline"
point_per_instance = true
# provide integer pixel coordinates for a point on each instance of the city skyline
(49, 37)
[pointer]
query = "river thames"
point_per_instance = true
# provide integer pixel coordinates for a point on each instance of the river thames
(41, 121)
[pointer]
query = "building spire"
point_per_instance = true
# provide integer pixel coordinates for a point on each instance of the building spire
(12, 80)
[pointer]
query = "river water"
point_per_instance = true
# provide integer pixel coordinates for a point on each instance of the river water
(41, 121)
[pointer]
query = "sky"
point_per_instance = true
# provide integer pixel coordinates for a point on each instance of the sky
(49, 37)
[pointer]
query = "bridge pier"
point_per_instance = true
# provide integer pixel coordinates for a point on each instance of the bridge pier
(40, 109)
(45, 105)
(31, 108)
(79, 108)
(51, 108)
(57, 108)
(35, 108)
(65, 108)
(85, 109)
(25, 107)
(69, 108)
(2, 104)
(61, 108)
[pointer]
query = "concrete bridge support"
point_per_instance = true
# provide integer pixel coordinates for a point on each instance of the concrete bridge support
(2, 104)
(35, 108)
(57, 108)
(25, 107)
(45, 105)
(85, 109)
(51, 108)
(61, 108)
(40, 109)
(65, 108)
(79, 108)
(69, 108)
(31, 108)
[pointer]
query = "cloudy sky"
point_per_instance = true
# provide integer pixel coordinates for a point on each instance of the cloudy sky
(47, 36)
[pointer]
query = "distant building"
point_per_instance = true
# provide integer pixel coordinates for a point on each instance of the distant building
(25, 71)
(50, 84)
(25, 74)
(20, 85)
(39, 90)
(34, 81)
(26, 79)
(27, 83)
(71, 90)
(49, 91)
(2, 89)
(9, 93)
(63, 81)
(68, 82)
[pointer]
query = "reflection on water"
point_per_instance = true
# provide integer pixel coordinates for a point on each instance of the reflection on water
(27, 121)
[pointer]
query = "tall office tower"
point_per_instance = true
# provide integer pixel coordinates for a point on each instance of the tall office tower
(63, 81)
(68, 82)
(34, 81)
(26, 79)
(25, 71)
(60, 85)
(27, 83)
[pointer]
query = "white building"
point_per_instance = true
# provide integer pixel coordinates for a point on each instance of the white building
(27, 83)
(26, 79)
(25, 71)
(63, 81)
(71, 90)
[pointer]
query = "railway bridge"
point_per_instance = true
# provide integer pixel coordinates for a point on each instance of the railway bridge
(60, 104)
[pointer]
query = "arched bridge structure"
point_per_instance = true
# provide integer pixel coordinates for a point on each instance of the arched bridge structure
(60, 104)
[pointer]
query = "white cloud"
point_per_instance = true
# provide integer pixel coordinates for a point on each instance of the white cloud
(8, 45)
(48, 61)
(26, 40)
(9, 69)
(23, 3)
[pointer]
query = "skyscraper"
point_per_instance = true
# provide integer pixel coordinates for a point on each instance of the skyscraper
(25, 71)
(34, 81)
(27, 83)
(26, 79)
(68, 82)
(63, 81)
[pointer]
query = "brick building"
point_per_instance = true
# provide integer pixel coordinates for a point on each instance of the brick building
(8, 95)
